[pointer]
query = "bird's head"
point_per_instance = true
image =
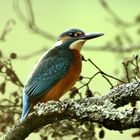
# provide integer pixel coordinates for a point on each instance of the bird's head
(75, 38)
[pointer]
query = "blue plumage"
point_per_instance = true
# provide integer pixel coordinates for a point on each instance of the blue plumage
(48, 72)
(26, 107)
(53, 66)
(50, 69)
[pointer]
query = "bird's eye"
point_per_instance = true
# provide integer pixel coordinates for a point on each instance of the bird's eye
(75, 34)
(72, 34)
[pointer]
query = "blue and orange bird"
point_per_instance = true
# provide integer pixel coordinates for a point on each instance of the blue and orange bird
(57, 71)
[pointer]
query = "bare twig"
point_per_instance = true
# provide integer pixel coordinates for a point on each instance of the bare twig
(7, 28)
(33, 54)
(30, 20)
(10, 72)
(131, 66)
(103, 73)
(117, 19)
(120, 23)
(113, 49)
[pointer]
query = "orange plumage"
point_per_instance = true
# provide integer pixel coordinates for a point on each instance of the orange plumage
(66, 83)
(57, 71)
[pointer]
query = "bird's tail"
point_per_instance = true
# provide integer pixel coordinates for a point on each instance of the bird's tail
(26, 107)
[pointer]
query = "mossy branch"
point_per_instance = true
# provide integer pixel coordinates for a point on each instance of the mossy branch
(103, 110)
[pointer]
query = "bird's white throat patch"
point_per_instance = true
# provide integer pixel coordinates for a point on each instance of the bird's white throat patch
(58, 43)
(77, 45)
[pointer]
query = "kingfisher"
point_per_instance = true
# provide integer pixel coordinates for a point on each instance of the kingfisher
(57, 70)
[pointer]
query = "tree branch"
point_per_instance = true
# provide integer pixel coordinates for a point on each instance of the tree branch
(30, 21)
(113, 49)
(102, 110)
(7, 28)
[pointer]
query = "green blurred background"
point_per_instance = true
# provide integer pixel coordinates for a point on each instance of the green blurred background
(55, 16)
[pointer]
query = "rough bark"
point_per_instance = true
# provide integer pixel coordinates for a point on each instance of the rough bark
(103, 110)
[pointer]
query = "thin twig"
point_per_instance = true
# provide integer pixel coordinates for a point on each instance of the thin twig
(7, 28)
(30, 20)
(33, 54)
(115, 16)
(103, 73)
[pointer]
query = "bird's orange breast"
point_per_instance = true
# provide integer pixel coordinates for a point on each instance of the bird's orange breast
(67, 82)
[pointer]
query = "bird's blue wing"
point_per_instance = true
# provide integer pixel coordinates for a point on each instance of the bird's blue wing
(47, 73)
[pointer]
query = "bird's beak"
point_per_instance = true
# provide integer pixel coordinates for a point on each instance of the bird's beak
(90, 36)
